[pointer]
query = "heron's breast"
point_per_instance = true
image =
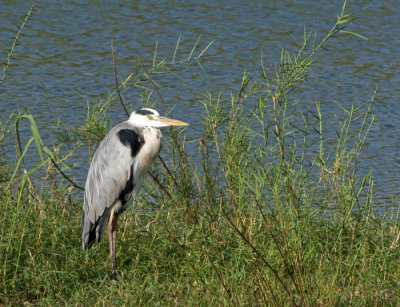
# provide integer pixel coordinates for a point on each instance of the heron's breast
(151, 147)
(148, 154)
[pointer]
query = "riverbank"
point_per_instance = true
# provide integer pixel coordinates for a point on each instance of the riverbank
(270, 211)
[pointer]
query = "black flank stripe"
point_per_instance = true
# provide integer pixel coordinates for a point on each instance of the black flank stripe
(126, 192)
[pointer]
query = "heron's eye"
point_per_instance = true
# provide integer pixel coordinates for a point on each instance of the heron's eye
(149, 117)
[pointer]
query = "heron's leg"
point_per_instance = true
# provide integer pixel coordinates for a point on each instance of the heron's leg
(112, 239)
(114, 235)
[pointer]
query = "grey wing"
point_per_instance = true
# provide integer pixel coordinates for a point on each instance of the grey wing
(110, 175)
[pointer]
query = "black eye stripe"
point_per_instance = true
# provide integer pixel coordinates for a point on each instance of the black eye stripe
(144, 112)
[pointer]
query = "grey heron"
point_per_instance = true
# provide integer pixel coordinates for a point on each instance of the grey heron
(116, 172)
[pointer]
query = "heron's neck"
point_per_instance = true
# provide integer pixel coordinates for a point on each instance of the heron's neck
(154, 131)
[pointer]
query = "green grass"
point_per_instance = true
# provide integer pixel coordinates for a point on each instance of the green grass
(268, 210)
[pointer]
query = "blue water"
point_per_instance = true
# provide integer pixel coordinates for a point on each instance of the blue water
(63, 62)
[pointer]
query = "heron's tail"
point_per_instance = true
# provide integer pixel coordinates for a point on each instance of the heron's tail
(88, 232)
(93, 232)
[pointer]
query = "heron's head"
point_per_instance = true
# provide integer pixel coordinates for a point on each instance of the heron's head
(151, 118)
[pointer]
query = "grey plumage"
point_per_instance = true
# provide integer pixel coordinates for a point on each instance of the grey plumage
(117, 172)
(115, 168)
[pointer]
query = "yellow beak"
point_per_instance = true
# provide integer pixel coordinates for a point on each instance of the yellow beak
(171, 122)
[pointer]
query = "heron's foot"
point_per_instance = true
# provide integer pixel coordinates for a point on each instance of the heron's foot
(113, 276)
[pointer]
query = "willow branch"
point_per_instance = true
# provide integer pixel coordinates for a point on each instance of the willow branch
(116, 79)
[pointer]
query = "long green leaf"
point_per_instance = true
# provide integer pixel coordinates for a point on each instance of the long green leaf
(20, 160)
(35, 133)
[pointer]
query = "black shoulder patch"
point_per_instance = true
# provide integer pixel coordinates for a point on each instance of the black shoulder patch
(128, 137)
(144, 112)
